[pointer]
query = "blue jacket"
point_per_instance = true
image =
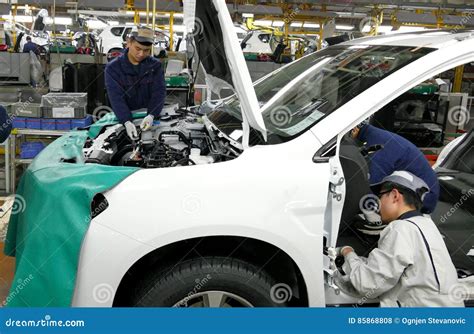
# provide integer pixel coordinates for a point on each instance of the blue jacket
(399, 154)
(130, 91)
(5, 124)
(30, 46)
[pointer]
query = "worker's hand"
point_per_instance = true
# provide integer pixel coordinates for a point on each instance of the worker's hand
(344, 250)
(147, 123)
(131, 130)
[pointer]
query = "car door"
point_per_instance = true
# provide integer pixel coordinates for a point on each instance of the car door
(363, 104)
(454, 213)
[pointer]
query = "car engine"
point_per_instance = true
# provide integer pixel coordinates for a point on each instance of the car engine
(187, 140)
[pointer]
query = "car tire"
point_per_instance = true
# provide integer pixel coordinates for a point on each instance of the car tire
(211, 282)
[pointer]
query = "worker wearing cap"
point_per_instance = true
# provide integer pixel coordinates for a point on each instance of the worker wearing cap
(397, 153)
(411, 265)
(135, 80)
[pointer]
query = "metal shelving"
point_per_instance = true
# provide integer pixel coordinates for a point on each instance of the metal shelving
(11, 160)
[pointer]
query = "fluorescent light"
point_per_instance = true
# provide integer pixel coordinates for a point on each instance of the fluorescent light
(59, 20)
(178, 28)
(18, 18)
(265, 23)
(296, 24)
(311, 25)
(344, 27)
(410, 29)
(366, 28)
(278, 23)
(385, 29)
(380, 29)
(95, 24)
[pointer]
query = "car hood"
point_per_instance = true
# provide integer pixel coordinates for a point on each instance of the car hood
(223, 61)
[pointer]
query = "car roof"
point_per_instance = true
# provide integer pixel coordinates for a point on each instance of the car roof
(435, 38)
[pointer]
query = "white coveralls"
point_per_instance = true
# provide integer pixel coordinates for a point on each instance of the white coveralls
(401, 270)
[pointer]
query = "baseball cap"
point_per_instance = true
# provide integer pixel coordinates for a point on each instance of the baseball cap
(143, 35)
(406, 180)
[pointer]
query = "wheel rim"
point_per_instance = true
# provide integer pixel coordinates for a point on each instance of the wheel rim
(214, 298)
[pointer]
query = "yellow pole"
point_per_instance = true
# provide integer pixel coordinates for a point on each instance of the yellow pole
(153, 18)
(14, 12)
(136, 17)
(458, 74)
(147, 12)
(171, 31)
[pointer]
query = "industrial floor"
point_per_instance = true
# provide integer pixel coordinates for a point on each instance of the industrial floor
(7, 269)
(7, 266)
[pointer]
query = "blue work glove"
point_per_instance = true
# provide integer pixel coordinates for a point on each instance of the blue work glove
(131, 130)
(147, 123)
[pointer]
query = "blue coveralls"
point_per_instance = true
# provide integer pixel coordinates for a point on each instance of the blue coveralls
(399, 154)
(5, 125)
(129, 90)
(31, 46)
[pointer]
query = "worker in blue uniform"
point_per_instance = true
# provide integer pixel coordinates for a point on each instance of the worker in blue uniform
(5, 124)
(31, 46)
(397, 154)
(135, 80)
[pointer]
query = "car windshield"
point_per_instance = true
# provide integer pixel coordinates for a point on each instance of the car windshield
(297, 96)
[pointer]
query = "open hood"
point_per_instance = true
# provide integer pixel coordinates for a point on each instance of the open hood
(223, 61)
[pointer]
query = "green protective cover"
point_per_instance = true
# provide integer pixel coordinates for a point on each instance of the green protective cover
(110, 119)
(424, 88)
(177, 81)
(50, 218)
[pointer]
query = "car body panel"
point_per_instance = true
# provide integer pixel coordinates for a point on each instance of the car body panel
(225, 64)
(285, 207)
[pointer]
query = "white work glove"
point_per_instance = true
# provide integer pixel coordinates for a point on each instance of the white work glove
(131, 130)
(147, 123)
(340, 249)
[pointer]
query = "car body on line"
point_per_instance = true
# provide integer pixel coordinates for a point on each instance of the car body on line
(256, 202)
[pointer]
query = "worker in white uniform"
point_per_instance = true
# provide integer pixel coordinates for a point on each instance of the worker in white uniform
(411, 265)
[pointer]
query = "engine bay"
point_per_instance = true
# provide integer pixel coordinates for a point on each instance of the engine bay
(182, 140)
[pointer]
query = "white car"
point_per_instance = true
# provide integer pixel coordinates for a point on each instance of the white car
(258, 42)
(114, 37)
(241, 202)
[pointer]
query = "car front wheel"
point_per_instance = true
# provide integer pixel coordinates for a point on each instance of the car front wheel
(211, 282)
